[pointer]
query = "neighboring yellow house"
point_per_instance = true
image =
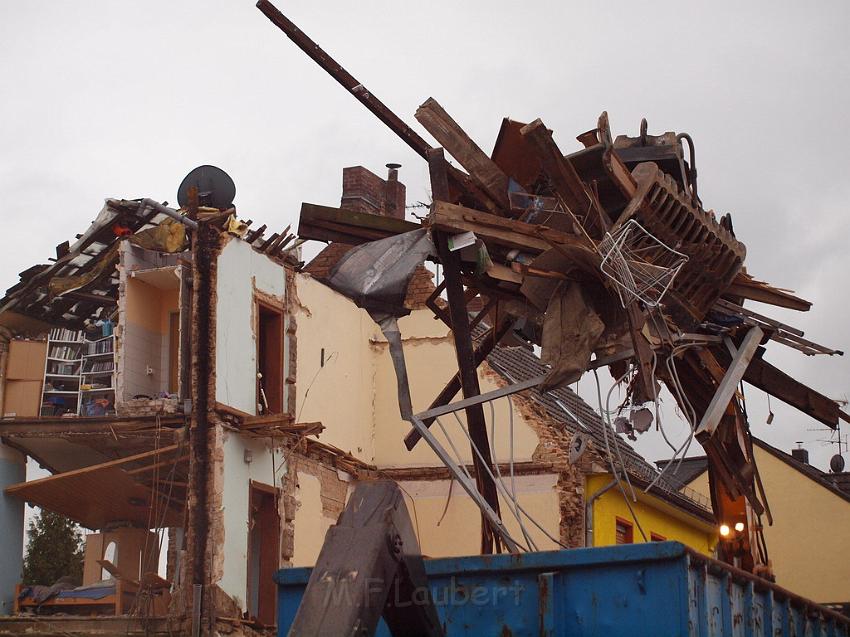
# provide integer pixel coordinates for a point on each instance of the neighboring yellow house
(807, 542)
(662, 515)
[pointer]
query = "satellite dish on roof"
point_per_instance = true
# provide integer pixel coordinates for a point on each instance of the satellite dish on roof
(578, 445)
(836, 463)
(215, 188)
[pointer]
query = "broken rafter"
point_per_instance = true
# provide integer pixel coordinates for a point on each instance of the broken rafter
(490, 538)
(726, 391)
(323, 223)
(487, 175)
(563, 175)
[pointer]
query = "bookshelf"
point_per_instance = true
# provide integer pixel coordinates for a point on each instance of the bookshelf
(79, 374)
(97, 377)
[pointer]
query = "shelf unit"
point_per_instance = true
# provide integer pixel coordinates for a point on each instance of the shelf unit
(79, 374)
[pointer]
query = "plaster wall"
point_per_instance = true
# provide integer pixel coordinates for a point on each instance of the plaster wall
(807, 543)
(144, 338)
(430, 356)
(459, 533)
(340, 394)
(311, 520)
(267, 467)
(241, 272)
(654, 515)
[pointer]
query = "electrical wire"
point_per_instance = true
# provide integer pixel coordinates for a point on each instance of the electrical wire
(505, 493)
(498, 483)
(522, 528)
(614, 472)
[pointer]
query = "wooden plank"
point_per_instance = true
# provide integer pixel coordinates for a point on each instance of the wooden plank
(507, 232)
(717, 407)
(778, 384)
(563, 175)
(92, 468)
(454, 139)
(745, 286)
(357, 227)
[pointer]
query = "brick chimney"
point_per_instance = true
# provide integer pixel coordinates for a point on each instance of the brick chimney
(800, 454)
(364, 191)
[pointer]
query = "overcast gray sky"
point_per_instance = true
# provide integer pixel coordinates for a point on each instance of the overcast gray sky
(121, 99)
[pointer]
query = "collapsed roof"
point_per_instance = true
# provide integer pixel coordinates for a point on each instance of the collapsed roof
(604, 256)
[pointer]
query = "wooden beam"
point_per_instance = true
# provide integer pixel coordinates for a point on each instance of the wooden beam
(717, 407)
(323, 223)
(454, 139)
(467, 371)
(745, 286)
(778, 384)
(348, 81)
(153, 466)
(95, 467)
(45, 427)
(563, 175)
(508, 232)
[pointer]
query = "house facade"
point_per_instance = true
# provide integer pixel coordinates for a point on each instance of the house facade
(240, 399)
(810, 508)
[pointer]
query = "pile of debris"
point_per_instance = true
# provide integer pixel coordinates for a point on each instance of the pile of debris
(602, 257)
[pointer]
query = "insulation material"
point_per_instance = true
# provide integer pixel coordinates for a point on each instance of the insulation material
(168, 236)
(570, 333)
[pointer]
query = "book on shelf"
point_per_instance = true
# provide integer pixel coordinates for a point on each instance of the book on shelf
(64, 334)
(63, 369)
(64, 352)
(100, 347)
(99, 366)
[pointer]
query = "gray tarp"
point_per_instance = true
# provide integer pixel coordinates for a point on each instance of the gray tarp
(375, 276)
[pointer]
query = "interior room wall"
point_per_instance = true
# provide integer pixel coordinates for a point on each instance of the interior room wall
(241, 273)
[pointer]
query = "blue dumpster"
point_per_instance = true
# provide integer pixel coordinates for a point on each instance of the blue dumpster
(656, 589)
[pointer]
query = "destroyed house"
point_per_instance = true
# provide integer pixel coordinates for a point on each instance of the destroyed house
(167, 323)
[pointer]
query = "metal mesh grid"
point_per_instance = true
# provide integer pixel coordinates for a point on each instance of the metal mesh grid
(641, 265)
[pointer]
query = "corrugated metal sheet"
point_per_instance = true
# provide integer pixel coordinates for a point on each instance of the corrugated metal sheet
(653, 590)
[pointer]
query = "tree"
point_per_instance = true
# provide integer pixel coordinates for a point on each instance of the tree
(54, 550)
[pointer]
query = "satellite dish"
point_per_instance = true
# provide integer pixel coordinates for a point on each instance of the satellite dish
(836, 463)
(578, 445)
(215, 188)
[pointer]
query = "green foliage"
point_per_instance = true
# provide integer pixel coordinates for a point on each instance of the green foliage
(54, 550)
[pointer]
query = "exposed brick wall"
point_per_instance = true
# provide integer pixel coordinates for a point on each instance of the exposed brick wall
(323, 263)
(364, 191)
(333, 492)
(150, 407)
(421, 286)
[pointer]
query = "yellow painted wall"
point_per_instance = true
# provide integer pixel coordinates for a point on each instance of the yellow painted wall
(430, 357)
(460, 530)
(654, 515)
(807, 543)
(311, 523)
(340, 394)
(355, 394)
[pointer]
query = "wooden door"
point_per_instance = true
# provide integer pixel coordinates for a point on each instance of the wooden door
(263, 552)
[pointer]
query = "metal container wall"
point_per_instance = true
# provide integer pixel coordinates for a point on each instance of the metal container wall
(656, 589)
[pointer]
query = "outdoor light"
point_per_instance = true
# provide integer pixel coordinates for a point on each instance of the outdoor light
(724, 530)
(739, 526)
